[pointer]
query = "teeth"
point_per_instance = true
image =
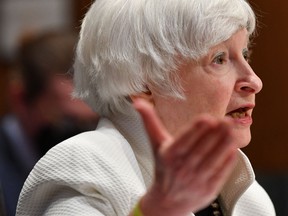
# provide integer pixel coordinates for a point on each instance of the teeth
(238, 114)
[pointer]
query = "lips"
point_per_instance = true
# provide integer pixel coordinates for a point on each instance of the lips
(242, 115)
(239, 113)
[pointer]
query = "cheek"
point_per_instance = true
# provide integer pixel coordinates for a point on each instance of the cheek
(219, 103)
(212, 99)
(173, 113)
(206, 96)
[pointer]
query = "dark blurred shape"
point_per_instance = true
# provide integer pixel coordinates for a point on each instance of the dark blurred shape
(2, 208)
(42, 111)
(275, 183)
(4, 71)
(42, 57)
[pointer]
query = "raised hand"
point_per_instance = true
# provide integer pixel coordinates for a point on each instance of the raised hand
(191, 167)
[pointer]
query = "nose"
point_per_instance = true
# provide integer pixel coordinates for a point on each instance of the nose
(249, 82)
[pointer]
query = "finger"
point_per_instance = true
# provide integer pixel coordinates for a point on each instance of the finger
(223, 172)
(216, 157)
(157, 132)
(207, 153)
(189, 137)
(184, 167)
(209, 189)
(208, 184)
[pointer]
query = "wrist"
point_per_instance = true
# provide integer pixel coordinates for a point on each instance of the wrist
(154, 203)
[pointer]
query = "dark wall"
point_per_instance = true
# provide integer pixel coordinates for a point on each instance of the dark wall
(268, 150)
(80, 8)
(4, 69)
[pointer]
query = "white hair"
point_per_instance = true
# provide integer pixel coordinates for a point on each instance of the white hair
(126, 45)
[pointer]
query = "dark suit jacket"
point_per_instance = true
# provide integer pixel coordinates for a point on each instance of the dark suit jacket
(12, 173)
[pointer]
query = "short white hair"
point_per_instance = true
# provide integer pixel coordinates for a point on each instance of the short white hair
(126, 45)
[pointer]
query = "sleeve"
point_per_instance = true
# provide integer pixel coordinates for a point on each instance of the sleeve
(80, 179)
(63, 183)
(58, 200)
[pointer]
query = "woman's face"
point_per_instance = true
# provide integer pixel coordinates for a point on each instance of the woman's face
(221, 84)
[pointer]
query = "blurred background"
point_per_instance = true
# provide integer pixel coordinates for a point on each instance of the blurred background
(37, 44)
(23, 22)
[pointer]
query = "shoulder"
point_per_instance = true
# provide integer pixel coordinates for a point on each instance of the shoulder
(93, 150)
(105, 143)
(99, 166)
(100, 159)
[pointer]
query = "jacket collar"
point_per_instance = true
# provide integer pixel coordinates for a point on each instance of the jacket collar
(240, 179)
(132, 128)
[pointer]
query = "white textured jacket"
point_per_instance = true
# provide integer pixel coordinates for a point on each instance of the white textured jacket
(106, 171)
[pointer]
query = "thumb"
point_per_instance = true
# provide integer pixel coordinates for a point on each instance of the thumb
(154, 127)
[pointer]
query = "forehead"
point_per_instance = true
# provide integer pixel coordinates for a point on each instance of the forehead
(238, 42)
(239, 39)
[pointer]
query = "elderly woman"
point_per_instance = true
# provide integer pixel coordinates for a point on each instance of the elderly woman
(183, 64)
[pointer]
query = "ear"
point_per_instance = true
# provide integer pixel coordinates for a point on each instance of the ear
(147, 96)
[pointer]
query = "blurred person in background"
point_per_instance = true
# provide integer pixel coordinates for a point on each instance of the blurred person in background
(42, 110)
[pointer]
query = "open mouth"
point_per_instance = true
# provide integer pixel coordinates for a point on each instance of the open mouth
(239, 113)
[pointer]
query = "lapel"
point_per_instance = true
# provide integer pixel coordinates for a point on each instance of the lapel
(132, 128)
(241, 178)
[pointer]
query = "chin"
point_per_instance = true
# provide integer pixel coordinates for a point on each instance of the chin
(243, 138)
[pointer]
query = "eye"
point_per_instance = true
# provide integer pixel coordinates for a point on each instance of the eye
(219, 58)
(247, 54)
